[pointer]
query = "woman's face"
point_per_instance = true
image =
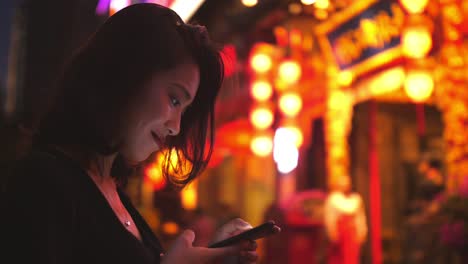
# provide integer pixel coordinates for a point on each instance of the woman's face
(157, 111)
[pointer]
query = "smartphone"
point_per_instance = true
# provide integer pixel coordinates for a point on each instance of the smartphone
(261, 231)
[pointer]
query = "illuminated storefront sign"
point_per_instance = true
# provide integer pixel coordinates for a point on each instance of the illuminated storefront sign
(364, 36)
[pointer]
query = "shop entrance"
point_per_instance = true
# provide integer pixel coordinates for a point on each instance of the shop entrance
(407, 135)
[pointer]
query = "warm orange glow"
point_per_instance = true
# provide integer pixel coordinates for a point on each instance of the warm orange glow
(338, 100)
(295, 8)
(290, 104)
(174, 160)
(261, 90)
(387, 81)
(261, 117)
(170, 228)
(308, 2)
(414, 6)
(345, 78)
(242, 138)
(416, 41)
(261, 146)
(322, 4)
(281, 35)
(321, 14)
(296, 134)
(280, 84)
(419, 85)
(296, 37)
(290, 71)
(154, 175)
(261, 63)
(189, 196)
(453, 13)
(249, 3)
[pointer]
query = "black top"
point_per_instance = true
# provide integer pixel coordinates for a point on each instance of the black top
(54, 213)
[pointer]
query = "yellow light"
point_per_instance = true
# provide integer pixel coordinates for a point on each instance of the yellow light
(416, 41)
(388, 81)
(154, 173)
(296, 38)
(338, 100)
(249, 3)
(290, 71)
(261, 117)
(414, 6)
(322, 4)
(345, 78)
(189, 196)
(419, 85)
(261, 63)
(296, 134)
(280, 84)
(170, 228)
(295, 8)
(321, 14)
(308, 2)
(290, 104)
(261, 90)
(261, 146)
(452, 13)
(174, 168)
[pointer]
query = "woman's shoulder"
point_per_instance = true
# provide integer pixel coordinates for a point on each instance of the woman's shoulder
(42, 169)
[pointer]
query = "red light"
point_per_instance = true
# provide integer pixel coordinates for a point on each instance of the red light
(229, 57)
(154, 175)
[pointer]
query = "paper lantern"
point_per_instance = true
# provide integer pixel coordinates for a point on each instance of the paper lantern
(261, 146)
(290, 104)
(261, 63)
(416, 41)
(419, 85)
(261, 117)
(289, 71)
(261, 90)
(414, 6)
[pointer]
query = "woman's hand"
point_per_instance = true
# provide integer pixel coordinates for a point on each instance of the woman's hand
(246, 250)
(182, 251)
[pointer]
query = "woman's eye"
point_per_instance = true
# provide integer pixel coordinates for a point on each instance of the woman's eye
(174, 101)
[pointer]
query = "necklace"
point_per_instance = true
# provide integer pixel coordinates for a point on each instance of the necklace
(127, 223)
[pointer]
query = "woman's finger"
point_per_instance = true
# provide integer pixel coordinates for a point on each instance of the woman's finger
(248, 257)
(252, 245)
(208, 255)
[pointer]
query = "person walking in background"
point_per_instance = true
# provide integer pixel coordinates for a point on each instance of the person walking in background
(345, 223)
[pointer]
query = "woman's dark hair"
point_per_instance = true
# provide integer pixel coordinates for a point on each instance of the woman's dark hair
(102, 78)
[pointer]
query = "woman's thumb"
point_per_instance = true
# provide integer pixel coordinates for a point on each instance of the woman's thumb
(186, 238)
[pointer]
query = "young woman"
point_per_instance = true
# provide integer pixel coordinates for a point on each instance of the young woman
(144, 82)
